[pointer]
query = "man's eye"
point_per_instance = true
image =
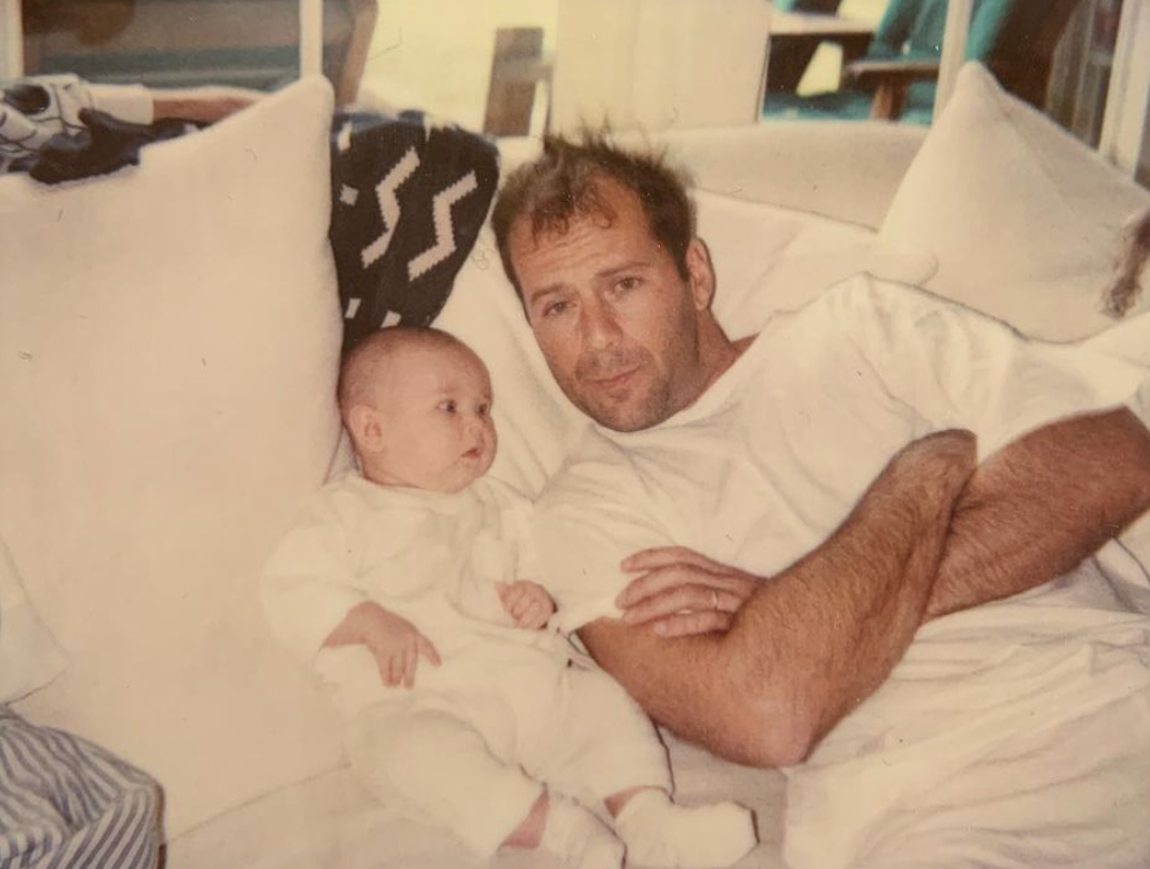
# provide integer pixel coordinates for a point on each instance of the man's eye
(555, 309)
(448, 406)
(628, 283)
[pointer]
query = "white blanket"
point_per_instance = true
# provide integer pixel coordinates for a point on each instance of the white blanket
(983, 752)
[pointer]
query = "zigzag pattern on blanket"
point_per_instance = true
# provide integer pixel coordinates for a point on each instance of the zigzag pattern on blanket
(409, 198)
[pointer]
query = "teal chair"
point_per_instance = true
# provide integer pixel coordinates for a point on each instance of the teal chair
(897, 77)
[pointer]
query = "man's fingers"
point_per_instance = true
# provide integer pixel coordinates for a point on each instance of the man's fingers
(682, 598)
(653, 583)
(689, 624)
(427, 650)
(657, 581)
(664, 556)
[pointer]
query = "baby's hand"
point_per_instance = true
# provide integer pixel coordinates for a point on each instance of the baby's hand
(528, 603)
(394, 641)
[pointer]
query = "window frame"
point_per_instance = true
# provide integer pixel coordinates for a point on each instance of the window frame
(1124, 121)
(11, 40)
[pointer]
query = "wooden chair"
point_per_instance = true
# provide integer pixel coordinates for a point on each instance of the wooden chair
(518, 66)
(790, 54)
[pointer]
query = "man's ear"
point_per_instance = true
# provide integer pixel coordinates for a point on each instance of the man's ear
(366, 427)
(700, 274)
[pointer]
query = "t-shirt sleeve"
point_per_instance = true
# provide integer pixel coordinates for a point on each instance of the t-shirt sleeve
(307, 587)
(594, 513)
(962, 369)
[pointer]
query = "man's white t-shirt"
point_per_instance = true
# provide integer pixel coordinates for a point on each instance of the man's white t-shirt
(772, 457)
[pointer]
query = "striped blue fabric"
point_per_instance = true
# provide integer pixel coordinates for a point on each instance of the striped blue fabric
(68, 804)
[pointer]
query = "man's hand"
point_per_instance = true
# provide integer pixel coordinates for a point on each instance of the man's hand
(528, 603)
(679, 592)
(394, 641)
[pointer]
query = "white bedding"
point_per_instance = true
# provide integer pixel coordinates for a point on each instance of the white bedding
(980, 752)
(331, 822)
(765, 258)
(144, 568)
(854, 803)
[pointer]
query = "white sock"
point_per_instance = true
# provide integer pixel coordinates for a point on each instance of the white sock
(659, 833)
(580, 838)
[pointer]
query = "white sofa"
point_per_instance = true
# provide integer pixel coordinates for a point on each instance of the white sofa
(170, 338)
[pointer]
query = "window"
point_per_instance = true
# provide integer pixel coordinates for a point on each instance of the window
(171, 43)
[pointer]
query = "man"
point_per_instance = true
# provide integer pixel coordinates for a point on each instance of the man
(729, 463)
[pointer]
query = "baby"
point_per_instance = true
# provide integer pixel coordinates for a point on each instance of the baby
(495, 734)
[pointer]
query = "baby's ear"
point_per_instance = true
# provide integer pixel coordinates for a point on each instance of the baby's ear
(366, 428)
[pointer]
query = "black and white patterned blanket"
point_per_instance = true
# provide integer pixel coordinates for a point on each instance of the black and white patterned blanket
(408, 199)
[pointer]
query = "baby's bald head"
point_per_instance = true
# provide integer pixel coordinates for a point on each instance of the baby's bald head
(377, 361)
(417, 403)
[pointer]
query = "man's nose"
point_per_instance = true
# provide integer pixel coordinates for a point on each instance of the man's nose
(599, 324)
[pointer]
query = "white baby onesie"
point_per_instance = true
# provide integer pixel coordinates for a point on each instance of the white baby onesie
(472, 744)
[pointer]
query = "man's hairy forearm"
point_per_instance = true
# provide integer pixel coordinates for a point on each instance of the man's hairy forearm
(1039, 506)
(814, 640)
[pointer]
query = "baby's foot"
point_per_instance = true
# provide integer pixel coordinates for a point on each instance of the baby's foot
(580, 838)
(659, 833)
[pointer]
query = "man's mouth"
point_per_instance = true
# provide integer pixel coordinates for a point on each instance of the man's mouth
(614, 381)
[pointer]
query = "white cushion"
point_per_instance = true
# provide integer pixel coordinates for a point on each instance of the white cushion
(171, 340)
(843, 170)
(1025, 221)
(30, 658)
(846, 170)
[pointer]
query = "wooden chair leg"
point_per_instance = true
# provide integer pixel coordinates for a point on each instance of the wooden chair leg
(364, 14)
(889, 101)
(516, 67)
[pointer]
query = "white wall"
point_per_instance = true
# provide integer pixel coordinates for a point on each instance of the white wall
(436, 54)
(659, 63)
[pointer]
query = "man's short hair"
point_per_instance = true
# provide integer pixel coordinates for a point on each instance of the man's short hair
(564, 183)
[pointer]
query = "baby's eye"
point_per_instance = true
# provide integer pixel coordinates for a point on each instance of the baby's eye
(483, 409)
(448, 406)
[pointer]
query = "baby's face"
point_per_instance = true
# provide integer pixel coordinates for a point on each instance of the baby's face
(437, 420)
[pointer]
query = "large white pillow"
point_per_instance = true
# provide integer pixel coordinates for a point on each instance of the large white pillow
(171, 337)
(1025, 221)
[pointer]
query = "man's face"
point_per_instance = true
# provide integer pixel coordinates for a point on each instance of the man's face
(617, 323)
